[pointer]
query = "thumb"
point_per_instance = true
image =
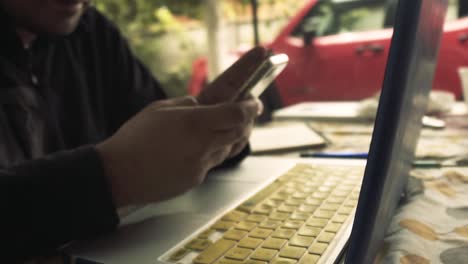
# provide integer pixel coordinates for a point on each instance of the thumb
(178, 101)
(226, 116)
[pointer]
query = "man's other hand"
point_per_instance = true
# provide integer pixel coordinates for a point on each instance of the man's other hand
(169, 147)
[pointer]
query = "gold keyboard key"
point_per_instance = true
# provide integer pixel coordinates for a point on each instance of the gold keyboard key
(313, 201)
(256, 218)
(288, 190)
(325, 237)
(179, 254)
(323, 214)
(205, 234)
(270, 224)
(251, 261)
(238, 253)
(300, 195)
(333, 227)
(318, 248)
(274, 243)
(279, 216)
(345, 210)
(292, 252)
(308, 190)
(320, 195)
(198, 244)
(284, 233)
(337, 200)
(325, 189)
(292, 224)
(309, 259)
(279, 196)
(228, 261)
(214, 251)
(223, 225)
(350, 203)
(252, 202)
(339, 218)
(286, 209)
(338, 193)
(260, 233)
(234, 216)
(299, 216)
(313, 184)
(293, 202)
(244, 225)
(263, 210)
(301, 241)
(307, 208)
(330, 207)
(344, 188)
(234, 234)
(272, 203)
(264, 254)
(317, 222)
(309, 231)
(283, 261)
(249, 242)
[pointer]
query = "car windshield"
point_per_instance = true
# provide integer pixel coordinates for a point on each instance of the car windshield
(330, 17)
(334, 17)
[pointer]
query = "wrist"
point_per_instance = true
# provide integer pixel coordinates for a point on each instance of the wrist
(112, 173)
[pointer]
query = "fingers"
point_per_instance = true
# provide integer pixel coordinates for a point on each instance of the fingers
(260, 106)
(238, 147)
(225, 116)
(178, 101)
(231, 80)
(219, 156)
(228, 137)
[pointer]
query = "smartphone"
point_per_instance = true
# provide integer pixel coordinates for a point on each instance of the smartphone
(263, 76)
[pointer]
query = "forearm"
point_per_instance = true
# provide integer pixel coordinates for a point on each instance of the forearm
(48, 202)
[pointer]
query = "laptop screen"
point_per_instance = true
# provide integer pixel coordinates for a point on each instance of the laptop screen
(408, 80)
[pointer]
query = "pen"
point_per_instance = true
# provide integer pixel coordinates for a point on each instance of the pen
(335, 154)
(459, 161)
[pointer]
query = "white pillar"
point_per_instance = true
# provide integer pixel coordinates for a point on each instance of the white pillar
(214, 26)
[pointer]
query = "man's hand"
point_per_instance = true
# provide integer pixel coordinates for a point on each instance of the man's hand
(169, 146)
(226, 87)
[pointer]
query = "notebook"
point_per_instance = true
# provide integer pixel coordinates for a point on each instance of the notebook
(281, 137)
(274, 210)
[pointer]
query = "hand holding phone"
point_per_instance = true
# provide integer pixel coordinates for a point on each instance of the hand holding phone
(248, 74)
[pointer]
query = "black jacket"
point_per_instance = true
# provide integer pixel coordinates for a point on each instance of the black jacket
(57, 99)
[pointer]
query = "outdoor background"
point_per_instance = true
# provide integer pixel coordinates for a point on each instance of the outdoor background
(168, 35)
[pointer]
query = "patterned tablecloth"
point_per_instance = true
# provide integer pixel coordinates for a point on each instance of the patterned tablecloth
(431, 224)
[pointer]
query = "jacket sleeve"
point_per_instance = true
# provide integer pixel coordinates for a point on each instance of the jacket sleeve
(48, 202)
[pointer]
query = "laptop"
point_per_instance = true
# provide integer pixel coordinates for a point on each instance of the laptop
(278, 210)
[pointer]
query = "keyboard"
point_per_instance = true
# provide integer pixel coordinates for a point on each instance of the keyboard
(292, 220)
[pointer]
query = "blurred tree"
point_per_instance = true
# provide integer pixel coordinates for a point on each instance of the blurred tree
(147, 25)
(160, 31)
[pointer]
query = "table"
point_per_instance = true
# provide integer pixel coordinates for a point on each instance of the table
(431, 224)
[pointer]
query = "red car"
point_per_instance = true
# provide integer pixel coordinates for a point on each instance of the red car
(338, 51)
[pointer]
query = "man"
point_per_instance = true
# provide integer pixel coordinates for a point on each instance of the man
(85, 128)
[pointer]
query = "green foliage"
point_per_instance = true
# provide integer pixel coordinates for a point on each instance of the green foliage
(146, 25)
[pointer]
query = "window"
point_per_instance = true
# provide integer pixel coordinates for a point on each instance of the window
(333, 17)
